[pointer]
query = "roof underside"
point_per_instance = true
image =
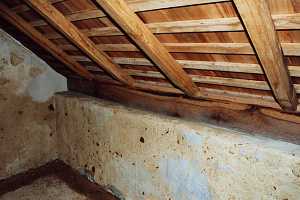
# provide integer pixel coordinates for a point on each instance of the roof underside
(216, 50)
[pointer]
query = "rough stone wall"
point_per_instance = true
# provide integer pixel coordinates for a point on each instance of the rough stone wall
(139, 155)
(27, 112)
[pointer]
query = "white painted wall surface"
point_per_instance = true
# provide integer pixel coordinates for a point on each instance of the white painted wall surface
(141, 155)
(27, 120)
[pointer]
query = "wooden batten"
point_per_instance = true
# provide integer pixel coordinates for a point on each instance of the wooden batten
(282, 22)
(289, 49)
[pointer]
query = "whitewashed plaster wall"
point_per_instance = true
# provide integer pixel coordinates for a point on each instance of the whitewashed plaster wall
(140, 155)
(27, 109)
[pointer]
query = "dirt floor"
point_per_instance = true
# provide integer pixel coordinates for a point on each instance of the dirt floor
(47, 188)
(54, 180)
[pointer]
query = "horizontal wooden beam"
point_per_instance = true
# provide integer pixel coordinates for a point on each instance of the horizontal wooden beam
(36, 36)
(235, 116)
(259, 24)
(24, 7)
(289, 49)
(200, 65)
(80, 40)
(232, 82)
(137, 6)
(282, 22)
(138, 32)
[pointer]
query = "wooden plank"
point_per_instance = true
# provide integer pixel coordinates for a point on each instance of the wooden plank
(225, 114)
(232, 82)
(259, 24)
(200, 65)
(202, 25)
(210, 94)
(289, 49)
(137, 31)
(146, 5)
(282, 22)
(24, 7)
(36, 36)
(136, 6)
(84, 43)
(140, 5)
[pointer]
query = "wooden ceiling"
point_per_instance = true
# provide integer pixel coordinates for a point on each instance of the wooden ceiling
(239, 51)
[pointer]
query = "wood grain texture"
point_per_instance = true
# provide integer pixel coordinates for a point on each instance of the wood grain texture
(135, 5)
(80, 40)
(289, 49)
(225, 114)
(24, 7)
(210, 93)
(200, 65)
(282, 22)
(138, 32)
(259, 24)
(36, 36)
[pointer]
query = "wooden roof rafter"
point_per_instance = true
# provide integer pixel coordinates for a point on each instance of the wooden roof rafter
(36, 36)
(58, 20)
(261, 29)
(138, 32)
(224, 59)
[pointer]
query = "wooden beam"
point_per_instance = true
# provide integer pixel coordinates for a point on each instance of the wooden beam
(235, 116)
(137, 6)
(137, 31)
(289, 49)
(24, 7)
(232, 82)
(200, 65)
(36, 36)
(57, 19)
(260, 27)
(282, 22)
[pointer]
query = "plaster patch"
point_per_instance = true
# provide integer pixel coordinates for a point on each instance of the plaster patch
(45, 85)
(134, 181)
(185, 179)
(192, 137)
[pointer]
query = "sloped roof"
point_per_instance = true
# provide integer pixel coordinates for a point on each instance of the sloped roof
(242, 52)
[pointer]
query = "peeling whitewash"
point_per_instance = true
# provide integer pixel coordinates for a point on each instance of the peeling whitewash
(141, 155)
(27, 113)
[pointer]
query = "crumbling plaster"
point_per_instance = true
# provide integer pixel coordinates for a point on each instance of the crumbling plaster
(141, 155)
(27, 108)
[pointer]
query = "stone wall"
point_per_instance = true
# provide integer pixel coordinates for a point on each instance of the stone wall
(27, 109)
(140, 155)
